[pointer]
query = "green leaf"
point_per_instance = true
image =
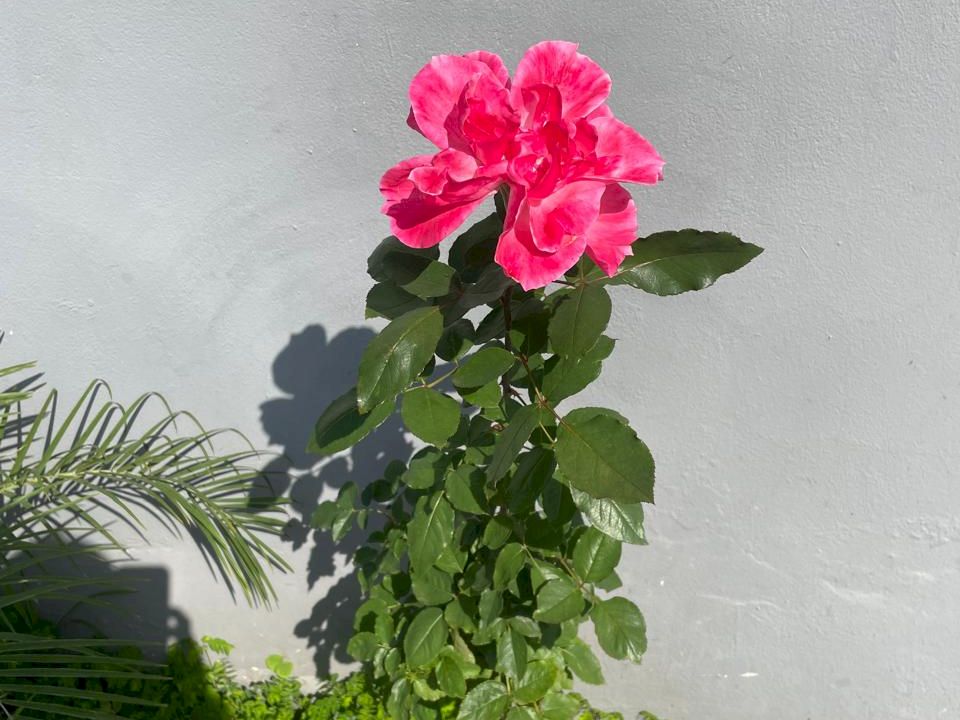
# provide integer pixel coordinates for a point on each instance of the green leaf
(399, 698)
(430, 415)
(433, 280)
(559, 706)
(342, 425)
(485, 396)
(487, 701)
(521, 713)
(511, 440)
(512, 653)
(430, 585)
(623, 521)
(450, 677)
(397, 355)
(484, 366)
(601, 455)
(473, 251)
(526, 483)
(388, 300)
(509, 562)
(464, 487)
(391, 258)
(430, 530)
(584, 664)
(425, 637)
(558, 600)
(595, 555)
(279, 666)
(536, 683)
(669, 263)
(461, 613)
(497, 532)
(426, 469)
(579, 320)
(217, 645)
(621, 630)
(457, 339)
(565, 377)
(362, 646)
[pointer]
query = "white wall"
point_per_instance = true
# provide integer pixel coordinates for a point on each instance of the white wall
(184, 187)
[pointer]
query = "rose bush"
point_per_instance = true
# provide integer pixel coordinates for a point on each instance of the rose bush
(547, 135)
(489, 548)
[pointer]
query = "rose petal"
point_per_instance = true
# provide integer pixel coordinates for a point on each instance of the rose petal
(435, 93)
(568, 211)
(520, 258)
(493, 61)
(624, 154)
(610, 236)
(423, 220)
(583, 84)
(395, 183)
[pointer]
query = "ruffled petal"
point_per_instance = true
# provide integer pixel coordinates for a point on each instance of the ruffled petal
(422, 220)
(613, 232)
(396, 183)
(428, 197)
(493, 61)
(623, 154)
(583, 85)
(520, 258)
(435, 94)
(565, 213)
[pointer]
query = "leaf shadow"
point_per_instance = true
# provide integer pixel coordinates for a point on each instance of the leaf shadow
(311, 371)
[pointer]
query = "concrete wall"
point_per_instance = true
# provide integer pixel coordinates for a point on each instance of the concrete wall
(188, 192)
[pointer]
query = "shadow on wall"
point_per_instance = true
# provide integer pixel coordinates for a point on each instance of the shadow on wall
(312, 371)
(126, 601)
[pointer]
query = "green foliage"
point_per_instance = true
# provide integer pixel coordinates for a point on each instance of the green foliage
(64, 481)
(494, 543)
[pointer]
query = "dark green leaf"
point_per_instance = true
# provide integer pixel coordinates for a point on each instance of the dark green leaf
(341, 425)
(601, 455)
(457, 339)
(473, 250)
(426, 469)
(483, 366)
(623, 521)
(579, 320)
(496, 532)
(425, 637)
(430, 415)
(397, 355)
(487, 701)
(558, 600)
(536, 683)
(430, 585)
(464, 487)
(486, 396)
(512, 653)
(509, 562)
(533, 470)
(584, 664)
(595, 555)
(430, 530)
(362, 646)
(390, 301)
(621, 630)
(673, 262)
(559, 706)
(511, 440)
(450, 677)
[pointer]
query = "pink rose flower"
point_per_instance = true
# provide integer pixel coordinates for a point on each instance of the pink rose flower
(548, 135)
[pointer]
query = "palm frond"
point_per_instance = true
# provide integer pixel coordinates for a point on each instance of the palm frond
(102, 465)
